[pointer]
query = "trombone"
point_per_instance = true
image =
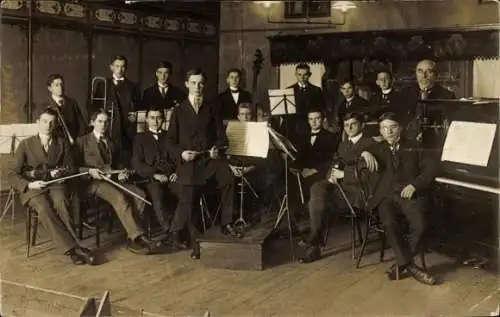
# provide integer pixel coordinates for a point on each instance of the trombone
(96, 81)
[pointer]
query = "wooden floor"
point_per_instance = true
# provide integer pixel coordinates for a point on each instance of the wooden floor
(175, 285)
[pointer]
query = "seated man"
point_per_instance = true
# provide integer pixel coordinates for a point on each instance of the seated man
(99, 154)
(151, 161)
(50, 201)
(342, 170)
(405, 175)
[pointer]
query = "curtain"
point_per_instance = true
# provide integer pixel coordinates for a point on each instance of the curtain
(486, 78)
(287, 74)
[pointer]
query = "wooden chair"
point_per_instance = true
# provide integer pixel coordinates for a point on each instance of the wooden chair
(31, 229)
(86, 216)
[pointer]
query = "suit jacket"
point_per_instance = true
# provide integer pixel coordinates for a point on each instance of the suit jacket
(311, 97)
(90, 156)
(316, 155)
(151, 156)
(414, 166)
(227, 107)
(194, 131)
(152, 97)
(74, 117)
(358, 104)
(380, 103)
(30, 153)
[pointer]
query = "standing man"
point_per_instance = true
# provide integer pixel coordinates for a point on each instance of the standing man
(197, 135)
(386, 98)
(51, 202)
(163, 94)
(351, 101)
(123, 99)
(75, 120)
(234, 95)
(406, 174)
(152, 161)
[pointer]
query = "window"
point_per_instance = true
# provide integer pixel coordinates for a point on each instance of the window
(307, 8)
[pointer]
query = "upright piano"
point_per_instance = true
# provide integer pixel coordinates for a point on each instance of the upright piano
(464, 220)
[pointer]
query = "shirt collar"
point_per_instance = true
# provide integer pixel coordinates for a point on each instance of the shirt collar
(302, 85)
(98, 136)
(387, 91)
(162, 85)
(191, 99)
(118, 78)
(57, 99)
(350, 99)
(45, 139)
(157, 132)
(356, 138)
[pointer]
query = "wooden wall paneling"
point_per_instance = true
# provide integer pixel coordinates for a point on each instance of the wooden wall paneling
(106, 46)
(205, 56)
(154, 51)
(14, 75)
(63, 52)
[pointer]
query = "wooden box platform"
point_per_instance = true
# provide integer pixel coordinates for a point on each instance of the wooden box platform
(248, 253)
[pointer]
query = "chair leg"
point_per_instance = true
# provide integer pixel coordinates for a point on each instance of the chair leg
(35, 229)
(382, 246)
(363, 244)
(358, 229)
(397, 272)
(353, 237)
(28, 232)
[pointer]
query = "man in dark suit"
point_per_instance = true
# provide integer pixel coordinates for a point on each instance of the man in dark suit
(341, 169)
(152, 162)
(350, 102)
(197, 134)
(163, 94)
(307, 97)
(123, 99)
(50, 201)
(75, 120)
(386, 98)
(98, 155)
(229, 99)
(426, 88)
(400, 188)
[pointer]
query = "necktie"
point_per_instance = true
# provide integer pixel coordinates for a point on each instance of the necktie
(424, 94)
(384, 96)
(197, 103)
(394, 155)
(347, 104)
(46, 146)
(103, 149)
(235, 91)
(313, 137)
(163, 91)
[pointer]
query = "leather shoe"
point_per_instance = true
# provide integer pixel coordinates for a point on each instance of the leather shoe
(393, 274)
(141, 245)
(173, 240)
(421, 275)
(313, 253)
(232, 232)
(86, 255)
(75, 258)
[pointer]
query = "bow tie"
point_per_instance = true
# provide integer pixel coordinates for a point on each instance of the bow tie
(233, 91)
(315, 134)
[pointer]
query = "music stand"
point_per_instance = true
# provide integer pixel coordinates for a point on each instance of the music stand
(287, 148)
(10, 136)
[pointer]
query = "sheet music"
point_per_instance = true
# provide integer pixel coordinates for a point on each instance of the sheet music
(469, 143)
(248, 138)
(277, 99)
(141, 121)
(15, 133)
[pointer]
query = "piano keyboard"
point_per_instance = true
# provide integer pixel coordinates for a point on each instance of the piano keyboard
(468, 185)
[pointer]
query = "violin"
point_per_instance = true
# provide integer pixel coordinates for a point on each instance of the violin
(42, 172)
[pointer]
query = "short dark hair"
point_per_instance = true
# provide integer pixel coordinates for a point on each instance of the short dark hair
(346, 80)
(98, 112)
(53, 77)
(195, 71)
(303, 66)
(313, 110)
(119, 58)
(234, 70)
(390, 116)
(358, 116)
(245, 105)
(164, 64)
(155, 108)
(49, 111)
(384, 70)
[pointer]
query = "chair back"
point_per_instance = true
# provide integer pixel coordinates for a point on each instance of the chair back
(363, 177)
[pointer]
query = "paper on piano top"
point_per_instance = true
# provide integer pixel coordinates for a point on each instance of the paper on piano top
(469, 142)
(277, 98)
(248, 138)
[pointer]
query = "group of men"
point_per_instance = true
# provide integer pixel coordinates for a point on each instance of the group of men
(181, 162)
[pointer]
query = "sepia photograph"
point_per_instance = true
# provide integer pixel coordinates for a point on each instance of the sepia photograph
(294, 158)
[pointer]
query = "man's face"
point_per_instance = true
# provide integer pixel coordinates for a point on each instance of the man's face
(163, 75)
(154, 119)
(426, 74)
(56, 88)
(390, 131)
(233, 80)
(352, 127)
(46, 124)
(101, 123)
(315, 119)
(347, 90)
(195, 84)
(384, 80)
(244, 114)
(118, 68)
(302, 75)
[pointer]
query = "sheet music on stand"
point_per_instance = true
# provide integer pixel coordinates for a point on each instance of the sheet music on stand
(248, 138)
(282, 101)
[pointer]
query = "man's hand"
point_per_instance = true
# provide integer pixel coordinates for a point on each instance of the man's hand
(95, 173)
(188, 155)
(37, 185)
(214, 153)
(408, 191)
(306, 172)
(123, 176)
(370, 160)
(162, 178)
(55, 173)
(172, 178)
(337, 174)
